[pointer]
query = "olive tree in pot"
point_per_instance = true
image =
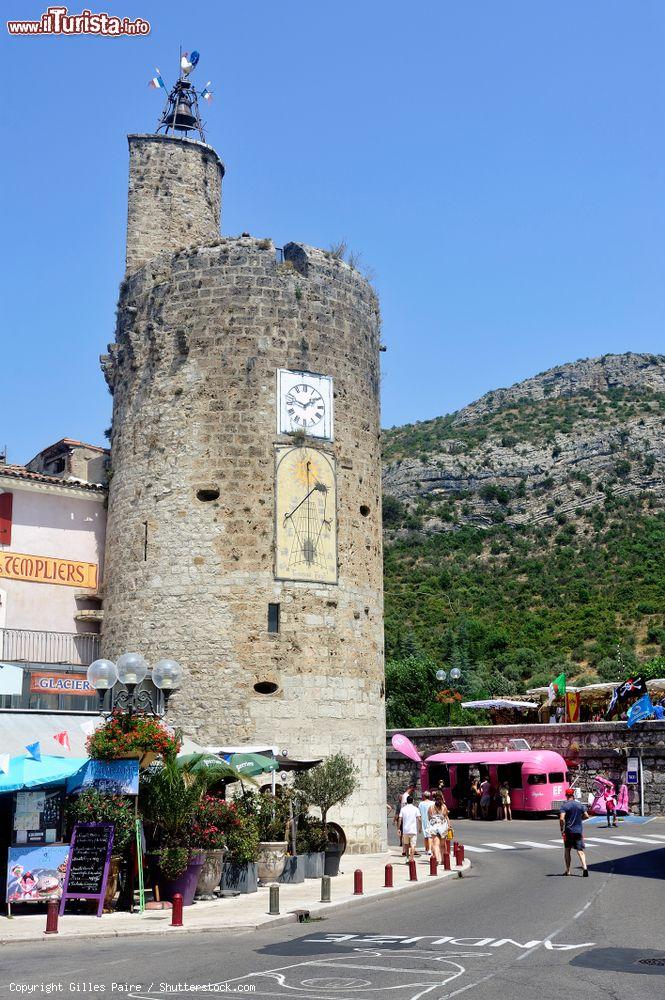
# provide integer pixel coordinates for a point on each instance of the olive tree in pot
(311, 842)
(324, 786)
(272, 813)
(170, 794)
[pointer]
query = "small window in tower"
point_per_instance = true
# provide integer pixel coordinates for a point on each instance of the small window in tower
(273, 618)
(364, 510)
(207, 494)
(265, 687)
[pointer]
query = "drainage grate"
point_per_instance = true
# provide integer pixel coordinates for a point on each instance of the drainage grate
(651, 961)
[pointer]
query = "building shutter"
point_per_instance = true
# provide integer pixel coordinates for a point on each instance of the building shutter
(6, 518)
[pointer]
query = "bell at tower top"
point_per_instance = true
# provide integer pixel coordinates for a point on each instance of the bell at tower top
(181, 113)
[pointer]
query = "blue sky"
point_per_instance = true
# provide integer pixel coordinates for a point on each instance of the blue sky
(500, 166)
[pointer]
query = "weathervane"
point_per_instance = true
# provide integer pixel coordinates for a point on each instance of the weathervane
(181, 113)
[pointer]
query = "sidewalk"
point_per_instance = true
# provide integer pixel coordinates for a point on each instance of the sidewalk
(246, 912)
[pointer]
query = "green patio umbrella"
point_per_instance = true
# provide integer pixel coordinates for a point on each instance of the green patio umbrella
(249, 764)
(218, 767)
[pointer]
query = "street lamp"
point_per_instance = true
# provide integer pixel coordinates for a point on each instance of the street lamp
(130, 670)
(454, 675)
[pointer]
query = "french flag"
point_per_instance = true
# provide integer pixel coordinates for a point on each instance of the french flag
(157, 83)
(206, 93)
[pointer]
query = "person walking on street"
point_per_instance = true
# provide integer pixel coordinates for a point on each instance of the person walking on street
(411, 826)
(571, 818)
(424, 807)
(438, 825)
(410, 789)
(611, 806)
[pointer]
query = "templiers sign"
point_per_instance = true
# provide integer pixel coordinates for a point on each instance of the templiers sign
(44, 569)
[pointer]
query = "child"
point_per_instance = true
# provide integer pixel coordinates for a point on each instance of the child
(611, 806)
(506, 809)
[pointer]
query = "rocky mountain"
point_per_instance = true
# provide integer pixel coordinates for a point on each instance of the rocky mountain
(536, 514)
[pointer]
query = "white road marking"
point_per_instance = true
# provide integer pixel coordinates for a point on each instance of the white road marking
(477, 850)
(642, 840)
(606, 840)
(502, 847)
(534, 843)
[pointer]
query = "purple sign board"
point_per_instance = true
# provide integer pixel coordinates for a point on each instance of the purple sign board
(88, 863)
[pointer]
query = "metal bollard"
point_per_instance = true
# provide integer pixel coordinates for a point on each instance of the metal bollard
(446, 858)
(433, 865)
(52, 907)
(176, 912)
(325, 889)
(274, 901)
(357, 882)
(413, 875)
(388, 883)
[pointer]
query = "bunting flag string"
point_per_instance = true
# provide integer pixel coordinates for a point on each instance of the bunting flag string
(4, 763)
(63, 739)
(34, 751)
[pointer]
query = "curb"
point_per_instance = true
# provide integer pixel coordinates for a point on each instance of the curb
(317, 908)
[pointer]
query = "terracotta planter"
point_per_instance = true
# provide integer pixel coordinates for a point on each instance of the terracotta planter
(112, 882)
(271, 859)
(185, 884)
(211, 874)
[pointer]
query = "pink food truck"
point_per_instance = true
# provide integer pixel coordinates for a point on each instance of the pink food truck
(537, 778)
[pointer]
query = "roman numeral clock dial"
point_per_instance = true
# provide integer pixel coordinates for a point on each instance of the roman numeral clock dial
(304, 403)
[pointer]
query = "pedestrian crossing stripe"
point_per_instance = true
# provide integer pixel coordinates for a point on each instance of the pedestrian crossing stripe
(534, 843)
(477, 850)
(501, 847)
(641, 840)
(606, 840)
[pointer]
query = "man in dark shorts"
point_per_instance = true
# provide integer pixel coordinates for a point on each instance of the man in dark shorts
(571, 817)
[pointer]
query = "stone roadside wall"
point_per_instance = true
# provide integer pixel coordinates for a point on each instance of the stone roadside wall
(589, 747)
(200, 336)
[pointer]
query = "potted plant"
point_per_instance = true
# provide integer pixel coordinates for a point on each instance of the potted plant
(212, 819)
(131, 735)
(239, 873)
(272, 818)
(324, 786)
(311, 842)
(93, 806)
(170, 795)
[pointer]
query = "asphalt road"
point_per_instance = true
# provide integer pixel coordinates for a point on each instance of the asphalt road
(514, 927)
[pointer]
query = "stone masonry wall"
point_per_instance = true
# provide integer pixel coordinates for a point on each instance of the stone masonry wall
(589, 747)
(200, 336)
(175, 196)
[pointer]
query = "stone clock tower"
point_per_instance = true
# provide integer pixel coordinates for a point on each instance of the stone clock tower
(244, 526)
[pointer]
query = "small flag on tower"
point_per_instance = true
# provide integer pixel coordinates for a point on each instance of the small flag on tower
(206, 93)
(157, 82)
(34, 751)
(63, 739)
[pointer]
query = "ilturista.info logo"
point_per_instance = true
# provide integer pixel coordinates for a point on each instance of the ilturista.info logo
(58, 21)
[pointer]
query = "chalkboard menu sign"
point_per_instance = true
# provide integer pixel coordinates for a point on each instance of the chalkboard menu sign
(88, 863)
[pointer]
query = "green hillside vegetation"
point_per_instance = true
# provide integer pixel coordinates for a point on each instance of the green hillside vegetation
(532, 591)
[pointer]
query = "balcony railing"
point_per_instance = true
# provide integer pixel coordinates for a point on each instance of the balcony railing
(28, 646)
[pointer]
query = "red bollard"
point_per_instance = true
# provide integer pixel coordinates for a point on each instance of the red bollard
(433, 865)
(357, 882)
(460, 854)
(52, 907)
(176, 913)
(446, 858)
(389, 877)
(455, 846)
(413, 875)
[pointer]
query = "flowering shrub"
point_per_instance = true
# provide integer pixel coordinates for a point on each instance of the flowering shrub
(123, 733)
(213, 820)
(92, 806)
(173, 861)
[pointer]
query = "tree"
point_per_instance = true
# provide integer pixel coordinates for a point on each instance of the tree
(328, 784)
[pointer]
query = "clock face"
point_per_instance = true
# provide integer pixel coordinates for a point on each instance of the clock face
(305, 516)
(304, 403)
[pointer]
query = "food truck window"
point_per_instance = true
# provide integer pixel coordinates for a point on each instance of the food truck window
(536, 779)
(556, 777)
(512, 773)
(438, 773)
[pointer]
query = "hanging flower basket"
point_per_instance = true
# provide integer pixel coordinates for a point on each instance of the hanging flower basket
(126, 737)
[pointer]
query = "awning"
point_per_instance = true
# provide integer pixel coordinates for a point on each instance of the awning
(20, 728)
(499, 703)
(27, 773)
